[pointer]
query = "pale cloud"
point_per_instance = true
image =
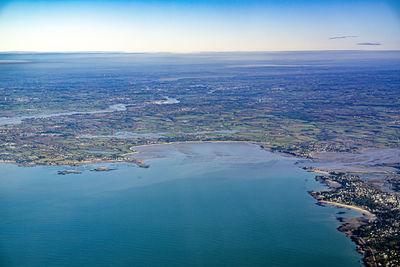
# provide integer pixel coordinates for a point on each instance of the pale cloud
(369, 43)
(343, 37)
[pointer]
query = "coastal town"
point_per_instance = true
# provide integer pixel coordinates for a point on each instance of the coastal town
(377, 232)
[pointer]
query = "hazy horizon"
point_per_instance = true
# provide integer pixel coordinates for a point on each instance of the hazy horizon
(197, 52)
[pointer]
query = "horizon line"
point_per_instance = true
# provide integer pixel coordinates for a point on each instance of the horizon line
(196, 52)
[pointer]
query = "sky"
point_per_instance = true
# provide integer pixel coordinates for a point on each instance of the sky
(184, 26)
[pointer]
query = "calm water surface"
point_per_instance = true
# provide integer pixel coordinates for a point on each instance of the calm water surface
(197, 205)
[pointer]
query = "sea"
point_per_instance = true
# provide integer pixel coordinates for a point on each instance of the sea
(198, 204)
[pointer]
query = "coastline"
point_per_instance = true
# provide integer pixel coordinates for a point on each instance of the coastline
(364, 212)
(140, 163)
(350, 225)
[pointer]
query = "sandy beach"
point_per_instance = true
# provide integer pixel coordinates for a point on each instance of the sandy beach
(363, 211)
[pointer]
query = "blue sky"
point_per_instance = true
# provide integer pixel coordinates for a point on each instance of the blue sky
(203, 25)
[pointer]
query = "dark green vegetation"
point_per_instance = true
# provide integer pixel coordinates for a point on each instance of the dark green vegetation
(378, 239)
(320, 101)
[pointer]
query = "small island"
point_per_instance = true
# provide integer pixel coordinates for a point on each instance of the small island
(102, 169)
(142, 164)
(68, 172)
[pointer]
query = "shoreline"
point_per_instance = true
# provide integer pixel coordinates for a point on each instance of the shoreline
(140, 163)
(337, 204)
(364, 212)
(349, 225)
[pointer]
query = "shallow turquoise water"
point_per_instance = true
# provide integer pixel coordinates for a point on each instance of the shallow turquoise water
(197, 205)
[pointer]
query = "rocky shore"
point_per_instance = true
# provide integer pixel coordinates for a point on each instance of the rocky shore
(376, 232)
(351, 225)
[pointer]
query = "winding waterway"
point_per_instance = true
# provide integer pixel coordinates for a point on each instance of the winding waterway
(210, 204)
(20, 119)
(116, 107)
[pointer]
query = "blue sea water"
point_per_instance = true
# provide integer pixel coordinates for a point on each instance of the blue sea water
(205, 204)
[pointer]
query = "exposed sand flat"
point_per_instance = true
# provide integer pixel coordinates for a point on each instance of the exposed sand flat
(141, 148)
(231, 151)
(319, 171)
(369, 160)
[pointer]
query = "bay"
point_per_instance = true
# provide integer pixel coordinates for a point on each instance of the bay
(209, 204)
